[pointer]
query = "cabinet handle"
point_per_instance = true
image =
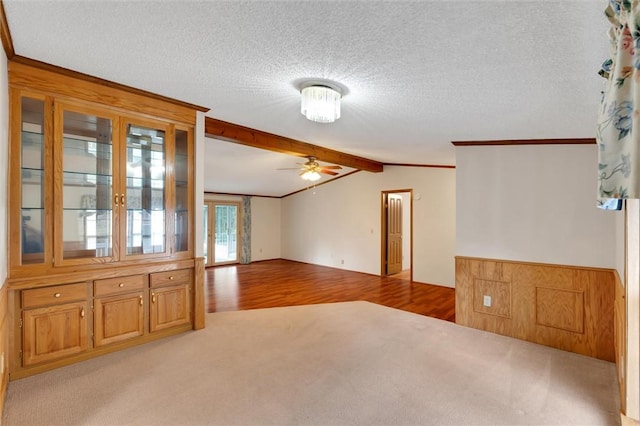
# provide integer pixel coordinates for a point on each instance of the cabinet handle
(115, 200)
(122, 200)
(82, 313)
(57, 295)
(153, 298)
(121, 285)
(140, 300)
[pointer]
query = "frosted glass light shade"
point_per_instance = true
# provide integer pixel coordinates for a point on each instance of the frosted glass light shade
(320, 104)
(310, 175)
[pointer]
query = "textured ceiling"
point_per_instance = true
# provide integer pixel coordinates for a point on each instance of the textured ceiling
(419, 74)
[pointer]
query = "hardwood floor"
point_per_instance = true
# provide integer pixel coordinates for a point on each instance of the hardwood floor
(279, 282)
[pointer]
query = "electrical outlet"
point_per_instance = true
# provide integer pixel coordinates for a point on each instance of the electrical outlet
(486, 301)
(342, 262)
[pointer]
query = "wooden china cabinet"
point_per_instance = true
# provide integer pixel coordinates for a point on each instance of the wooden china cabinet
(101, 213)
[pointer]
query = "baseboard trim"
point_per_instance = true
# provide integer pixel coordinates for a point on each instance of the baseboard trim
(628, 421)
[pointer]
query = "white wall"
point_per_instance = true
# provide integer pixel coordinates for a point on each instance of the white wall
(4, 154)
(265, 225)
(341, 221)
(265, 228)
(533, 203)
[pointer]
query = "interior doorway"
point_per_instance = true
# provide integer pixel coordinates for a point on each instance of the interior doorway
(222, 232)
(397, 233)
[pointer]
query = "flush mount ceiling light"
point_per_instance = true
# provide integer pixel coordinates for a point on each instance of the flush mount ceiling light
(321, 103)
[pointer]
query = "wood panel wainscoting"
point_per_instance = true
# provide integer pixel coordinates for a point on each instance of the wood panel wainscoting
(565, 307)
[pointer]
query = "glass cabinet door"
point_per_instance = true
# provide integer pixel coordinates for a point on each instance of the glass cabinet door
(32, 158)
(145, 230)
(181, 171)
(86, 217)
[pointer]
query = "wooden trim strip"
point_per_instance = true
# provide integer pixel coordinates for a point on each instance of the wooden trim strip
(107, 83)
(436, 166)
(4, 344)
(585, 141)
(520, 262)
(321, 183)
(258, 139)
(198, 295)
(620, 338)
(278, 196)
(106, 271)
(239, 195)
(5, 34)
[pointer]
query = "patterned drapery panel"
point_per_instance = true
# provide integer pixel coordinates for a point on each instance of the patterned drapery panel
(245, 256)
(618, 132)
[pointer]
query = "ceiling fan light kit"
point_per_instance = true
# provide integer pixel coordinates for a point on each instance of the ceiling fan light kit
(311, 170)
(320, 103)
(310, 175)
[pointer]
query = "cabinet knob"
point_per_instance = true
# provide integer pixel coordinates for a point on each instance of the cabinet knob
(171, 277)
(57, 295)
(121, 285)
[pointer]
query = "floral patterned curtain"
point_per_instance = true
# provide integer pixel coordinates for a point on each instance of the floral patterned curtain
(245, 255)
(618, 129)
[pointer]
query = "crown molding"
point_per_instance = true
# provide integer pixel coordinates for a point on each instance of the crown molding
(435, 166)
(584, 141)
(5, 34)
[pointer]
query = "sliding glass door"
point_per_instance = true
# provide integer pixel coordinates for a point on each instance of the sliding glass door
(222, 232)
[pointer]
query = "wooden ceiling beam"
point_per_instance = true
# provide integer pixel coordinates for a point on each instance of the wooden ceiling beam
(258, 139)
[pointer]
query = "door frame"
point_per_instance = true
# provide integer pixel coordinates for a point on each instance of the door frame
(383, 228)
(211, 221)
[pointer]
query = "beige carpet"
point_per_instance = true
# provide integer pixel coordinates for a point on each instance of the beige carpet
(330, 364)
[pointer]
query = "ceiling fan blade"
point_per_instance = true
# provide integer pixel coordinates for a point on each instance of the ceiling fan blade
(328, 172)
(332, 167)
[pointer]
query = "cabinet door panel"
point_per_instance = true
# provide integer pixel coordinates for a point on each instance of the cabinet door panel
(54, 332)
(84, 176)
(32, 180)
(170, 307)
(145, 232)
(183, 197)
(118, 318)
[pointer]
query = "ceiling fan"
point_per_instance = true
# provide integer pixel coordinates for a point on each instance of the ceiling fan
(311, 169)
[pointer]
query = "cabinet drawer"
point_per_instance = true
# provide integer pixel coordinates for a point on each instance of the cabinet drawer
(118, 285)
(54, 295)
(161, 279)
